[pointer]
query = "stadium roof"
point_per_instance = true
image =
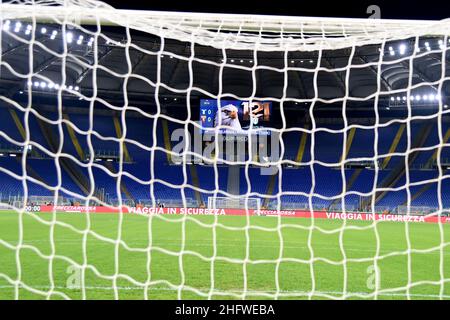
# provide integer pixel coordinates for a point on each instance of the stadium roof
(146, 65)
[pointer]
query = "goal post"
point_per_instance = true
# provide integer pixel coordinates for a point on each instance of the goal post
(82, 11)
(234, 203)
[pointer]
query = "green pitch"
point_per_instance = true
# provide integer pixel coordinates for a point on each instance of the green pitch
(289, 261)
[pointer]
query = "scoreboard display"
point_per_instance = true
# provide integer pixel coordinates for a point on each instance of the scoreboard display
(234, 115)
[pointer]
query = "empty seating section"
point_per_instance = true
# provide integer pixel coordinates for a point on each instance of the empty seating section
(209, 181)
(148, 173)
(257, 182)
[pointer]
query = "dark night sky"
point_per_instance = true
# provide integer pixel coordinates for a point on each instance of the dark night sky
(394, 9)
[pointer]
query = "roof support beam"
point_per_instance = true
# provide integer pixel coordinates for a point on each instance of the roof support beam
(384, 82)
(85, 72)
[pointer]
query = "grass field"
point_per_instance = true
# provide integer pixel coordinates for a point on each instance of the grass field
(342, 258)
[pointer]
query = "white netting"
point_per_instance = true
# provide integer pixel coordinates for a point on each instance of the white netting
(230, 203)
(301, 45)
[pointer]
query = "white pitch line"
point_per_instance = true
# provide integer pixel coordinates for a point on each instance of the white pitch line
(248, 292)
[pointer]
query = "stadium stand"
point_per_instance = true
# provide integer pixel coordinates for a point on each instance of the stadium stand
(168, 186)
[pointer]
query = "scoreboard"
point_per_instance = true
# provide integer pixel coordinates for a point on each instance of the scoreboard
(236, 115)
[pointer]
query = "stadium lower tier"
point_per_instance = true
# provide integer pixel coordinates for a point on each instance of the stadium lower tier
(192, 185)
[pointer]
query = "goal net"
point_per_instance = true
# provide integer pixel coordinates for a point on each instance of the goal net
(229, 203)
(343, 119)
